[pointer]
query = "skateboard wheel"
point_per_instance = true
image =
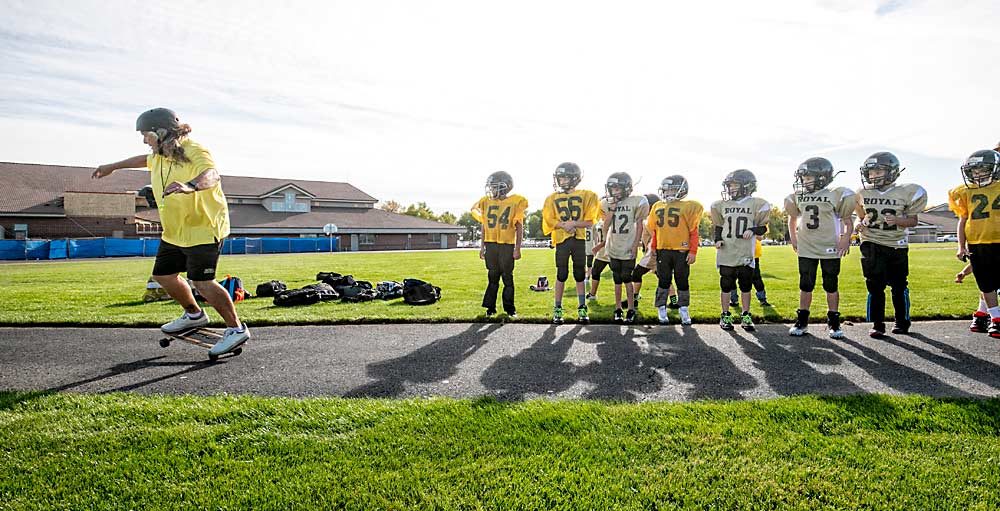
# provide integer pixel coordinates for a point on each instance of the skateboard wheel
(164, 343)
(213, 357)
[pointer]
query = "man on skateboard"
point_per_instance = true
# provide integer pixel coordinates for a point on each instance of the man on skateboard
(195, 220)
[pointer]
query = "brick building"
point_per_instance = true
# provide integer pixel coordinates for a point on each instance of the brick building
(50, 201)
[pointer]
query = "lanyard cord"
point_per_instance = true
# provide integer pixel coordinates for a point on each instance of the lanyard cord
(164, 180)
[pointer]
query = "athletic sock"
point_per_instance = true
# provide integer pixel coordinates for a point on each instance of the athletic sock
(559, 303)
(982, 305)
(994, 312)
(583, 299)
(195, 316)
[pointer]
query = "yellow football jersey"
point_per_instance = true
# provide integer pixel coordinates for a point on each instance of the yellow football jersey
(582, 205)
(673, 223)
(500, 217)
(982, 208)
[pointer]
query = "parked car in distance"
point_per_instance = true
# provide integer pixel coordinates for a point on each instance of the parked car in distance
(947, 238)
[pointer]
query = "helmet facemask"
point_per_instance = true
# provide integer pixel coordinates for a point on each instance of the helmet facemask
(618, 189)
(673, 189)
(564, 180)
(978, 174)
(496, 190)
(876, 182)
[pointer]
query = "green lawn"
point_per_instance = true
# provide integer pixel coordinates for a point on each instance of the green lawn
(72, 451)
(108, 292)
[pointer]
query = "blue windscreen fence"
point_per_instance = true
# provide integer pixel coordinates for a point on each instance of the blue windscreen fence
(83, 248)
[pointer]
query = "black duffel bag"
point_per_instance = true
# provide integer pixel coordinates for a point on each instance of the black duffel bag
(326, 292)
(418, 292)
(293, 297)
(272, 288)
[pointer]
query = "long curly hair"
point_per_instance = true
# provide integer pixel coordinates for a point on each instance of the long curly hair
(170, 146)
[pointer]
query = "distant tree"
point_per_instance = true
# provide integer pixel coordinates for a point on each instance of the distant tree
(473, 229)
(447, 218)
(777, 227)
(391, 206)
(705, 226)
(420, 210)
(533, 224)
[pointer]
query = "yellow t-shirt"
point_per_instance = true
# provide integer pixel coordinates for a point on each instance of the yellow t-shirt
(580, 205)
(982, 208)
(500, 218)
(673, 223)
(189, 219)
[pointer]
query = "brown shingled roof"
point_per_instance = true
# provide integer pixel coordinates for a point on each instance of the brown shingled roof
(48, 182)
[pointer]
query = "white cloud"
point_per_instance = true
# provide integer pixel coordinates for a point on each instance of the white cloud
(420, 101)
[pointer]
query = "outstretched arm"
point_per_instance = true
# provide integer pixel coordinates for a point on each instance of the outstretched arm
(135, 162)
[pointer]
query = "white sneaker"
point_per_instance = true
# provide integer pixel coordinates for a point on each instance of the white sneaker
(797, 331)
(232, 338)
(662, 313)
(836, 334)
(685, 316)
(185, 323)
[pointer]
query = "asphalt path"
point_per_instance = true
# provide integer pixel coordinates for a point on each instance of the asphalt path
(511, 362)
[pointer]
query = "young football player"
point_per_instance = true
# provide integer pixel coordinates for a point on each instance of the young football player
(886, 209)
(647, 263)
(502, 216)
(819, 229)
(977, 204)
(758, 281)
(624, 215)
(674, 223)
(737, 220)
(566, 215)
(601, 260)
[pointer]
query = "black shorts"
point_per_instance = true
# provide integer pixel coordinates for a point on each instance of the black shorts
(598, 269)
(884, 265)
(984, 259)
(807, 274)
(732, 276)
(575, 249)
(621, 270)
(198, 261)
(590, 260)
(672, 264)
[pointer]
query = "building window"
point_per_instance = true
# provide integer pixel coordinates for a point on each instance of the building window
(435, 237)
(366, 239)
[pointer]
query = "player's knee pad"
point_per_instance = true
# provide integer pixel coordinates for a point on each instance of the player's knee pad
(830, 282)
(579, 272)
(562, 273)
(726, 282)
(807, 283)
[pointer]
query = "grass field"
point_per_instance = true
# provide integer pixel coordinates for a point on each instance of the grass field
(109, 291)
(72, 451)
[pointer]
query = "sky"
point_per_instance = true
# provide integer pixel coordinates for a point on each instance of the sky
(420, 101)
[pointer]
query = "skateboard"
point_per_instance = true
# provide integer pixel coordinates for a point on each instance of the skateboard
(204, 337)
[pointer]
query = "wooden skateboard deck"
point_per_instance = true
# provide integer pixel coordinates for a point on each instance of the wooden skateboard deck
(203, 337)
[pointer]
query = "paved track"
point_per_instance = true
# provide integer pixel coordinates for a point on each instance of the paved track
(512, 361)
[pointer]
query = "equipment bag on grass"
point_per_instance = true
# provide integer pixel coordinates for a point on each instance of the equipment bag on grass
(360, 291)
(418, 292)
(293, 297)
(234, 286)
(389, 289)
(271, 288)
(325, 291)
